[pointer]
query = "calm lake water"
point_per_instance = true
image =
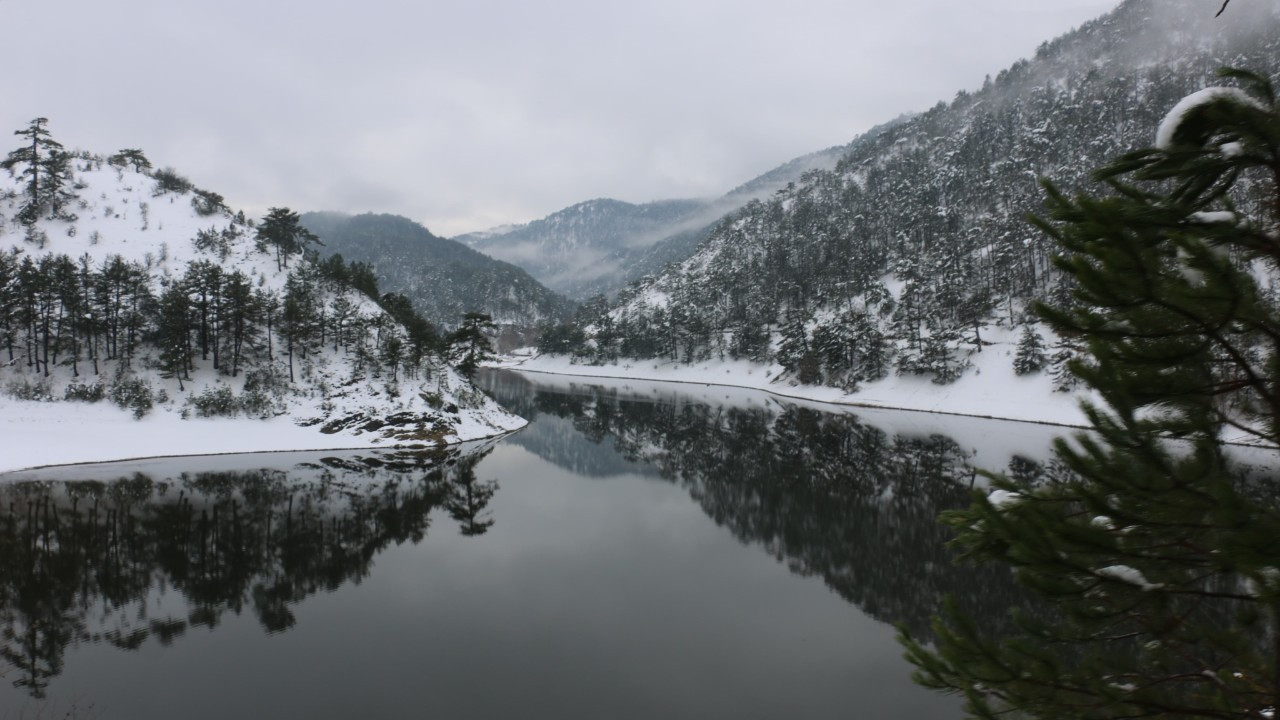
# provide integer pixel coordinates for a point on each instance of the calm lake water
(639, 551)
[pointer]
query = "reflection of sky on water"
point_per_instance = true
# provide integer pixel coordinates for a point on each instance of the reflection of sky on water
(584, 598)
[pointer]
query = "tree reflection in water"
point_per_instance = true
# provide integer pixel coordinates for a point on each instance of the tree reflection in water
(147, 558)
(84, 561)
(825, 493)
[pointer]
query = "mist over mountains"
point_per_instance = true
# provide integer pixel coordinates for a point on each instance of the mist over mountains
(598, 246)
(442, 278)
(907, 255)
(905, 252)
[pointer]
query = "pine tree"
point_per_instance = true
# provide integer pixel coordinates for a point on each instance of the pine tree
(795, 353)
(45, 170)
(468, 345)
(1064, 353)
(239, 318)
(939, 356)
(561, 338)
(391, 353)
(205, 279)
(298, 313)
(173, 332)
(10, 293)
(1030, 356)
(750, 340)
(1157, 559)
(57, 185)
(130, 156)
(341, 312)
(71, 312)
(420, 333)
(852, 350)
(872, 351)
(281, 233)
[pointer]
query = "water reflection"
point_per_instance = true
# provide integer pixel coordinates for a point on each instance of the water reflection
(826, 493)
(89, 561)
(562, 589)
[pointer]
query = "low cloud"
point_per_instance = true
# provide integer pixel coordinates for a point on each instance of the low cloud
(468, 115)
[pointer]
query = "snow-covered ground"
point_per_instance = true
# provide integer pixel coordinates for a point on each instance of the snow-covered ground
(302, 464)
(990, 411)
(990, 442)
(34, 434)
(333, 403)
(989, 389)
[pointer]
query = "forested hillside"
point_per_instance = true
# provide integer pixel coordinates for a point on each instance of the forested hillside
(125, 284)
(598, 246)
(915, 252)
(442, 278)
(581, 250)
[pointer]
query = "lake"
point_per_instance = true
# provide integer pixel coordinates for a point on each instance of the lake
(640, 550)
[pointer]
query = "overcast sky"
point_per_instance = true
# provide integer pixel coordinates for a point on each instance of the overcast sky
(472, 113)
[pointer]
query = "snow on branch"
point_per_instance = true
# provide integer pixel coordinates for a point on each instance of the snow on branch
(1129, 575)
(1177, 117)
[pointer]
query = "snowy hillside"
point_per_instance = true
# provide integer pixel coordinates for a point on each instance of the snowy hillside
(598, 246)
(990, 388)
(129, 293)
(901, 271)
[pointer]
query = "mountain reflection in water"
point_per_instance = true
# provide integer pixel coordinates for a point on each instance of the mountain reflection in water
(555, 586)
(824, 492)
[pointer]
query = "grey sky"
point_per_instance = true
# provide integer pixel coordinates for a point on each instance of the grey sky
(473, 113)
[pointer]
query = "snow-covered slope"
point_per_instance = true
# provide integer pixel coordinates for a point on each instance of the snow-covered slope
(911, 256)
(318, 364)
(990, 388)
(600, 245)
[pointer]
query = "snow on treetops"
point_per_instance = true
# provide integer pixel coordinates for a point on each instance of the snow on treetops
(1170, 134)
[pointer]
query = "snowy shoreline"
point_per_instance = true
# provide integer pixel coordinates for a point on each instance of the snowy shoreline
(991, 392)
(99, 351)
(936, 409)
(234, 460)
(773, 390)
(36, 435)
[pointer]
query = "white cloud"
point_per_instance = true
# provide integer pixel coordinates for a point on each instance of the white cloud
(465, 115)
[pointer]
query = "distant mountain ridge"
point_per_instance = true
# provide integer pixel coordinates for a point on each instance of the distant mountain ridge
(598, 246)
(914, 252)
(443, 278)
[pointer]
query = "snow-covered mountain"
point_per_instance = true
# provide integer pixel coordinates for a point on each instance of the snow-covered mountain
(598, 246)
(912, 259)
(131, 293)
(444, 279)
